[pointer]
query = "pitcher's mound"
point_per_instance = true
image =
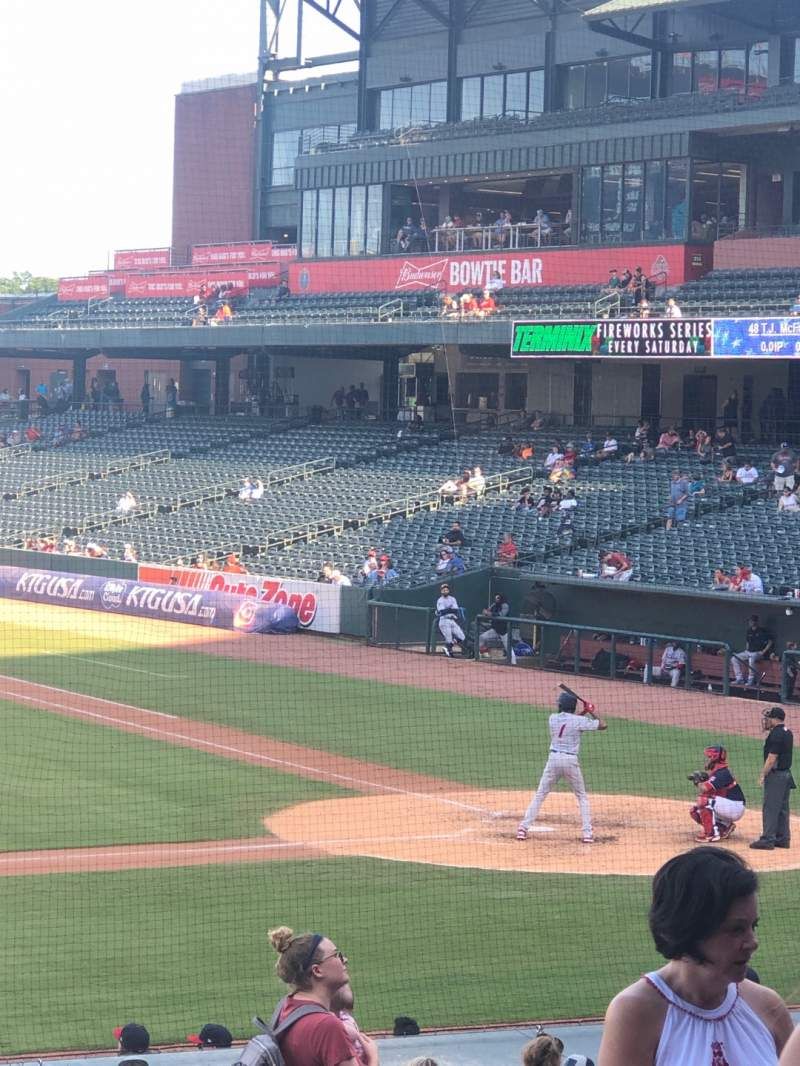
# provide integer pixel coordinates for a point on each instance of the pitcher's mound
(633, 834)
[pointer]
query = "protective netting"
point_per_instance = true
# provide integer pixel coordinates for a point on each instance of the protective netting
(172, 791)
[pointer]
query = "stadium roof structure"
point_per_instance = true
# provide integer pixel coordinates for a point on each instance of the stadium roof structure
(610, 8)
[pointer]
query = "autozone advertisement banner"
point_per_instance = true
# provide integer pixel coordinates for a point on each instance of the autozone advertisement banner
(317, 605)
(170, 603)
(184, 282)
(655, 338)
(522, 269)
(142, 258)
(231, 254)
(91, 288)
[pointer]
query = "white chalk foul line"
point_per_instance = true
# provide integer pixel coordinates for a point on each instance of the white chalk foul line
(199, 742)
(70, 692)
(130, 669)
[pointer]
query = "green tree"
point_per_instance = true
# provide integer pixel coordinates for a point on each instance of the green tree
(22, 281)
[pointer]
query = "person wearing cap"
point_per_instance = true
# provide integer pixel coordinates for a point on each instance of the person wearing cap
(132, 1039)
(211, 1035)
(448, 614)
(759, 643)
(233, 565)
(784, 466)
(777, 782)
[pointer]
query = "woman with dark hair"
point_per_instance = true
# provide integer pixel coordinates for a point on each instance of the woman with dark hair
(316, 971)
(699, 1008)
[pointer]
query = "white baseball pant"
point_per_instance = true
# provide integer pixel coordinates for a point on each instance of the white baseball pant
(751, 658)
(726, 810)
(558, 766)
(451, 630)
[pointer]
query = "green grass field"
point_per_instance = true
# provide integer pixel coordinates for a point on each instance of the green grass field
(177, 947)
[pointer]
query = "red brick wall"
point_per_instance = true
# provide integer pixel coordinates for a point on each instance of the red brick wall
(212, 184)
(757, 254)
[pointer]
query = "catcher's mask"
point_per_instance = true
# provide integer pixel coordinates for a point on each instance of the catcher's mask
(715, 755)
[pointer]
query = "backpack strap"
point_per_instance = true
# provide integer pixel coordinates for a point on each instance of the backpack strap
(296, 1015)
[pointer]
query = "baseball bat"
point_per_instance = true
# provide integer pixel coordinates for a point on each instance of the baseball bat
(570, 692)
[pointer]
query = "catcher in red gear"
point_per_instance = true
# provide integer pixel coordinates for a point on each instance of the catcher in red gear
(720, 801)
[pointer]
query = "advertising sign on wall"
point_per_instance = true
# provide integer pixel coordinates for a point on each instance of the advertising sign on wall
(184, 282)
(654, 338)
(231, 254)
(95, 287)
(317, 605)
(142, 258)
(672, 264)
(762, 337)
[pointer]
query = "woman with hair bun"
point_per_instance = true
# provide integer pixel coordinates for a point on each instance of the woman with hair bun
(699, 1008)
(316, 970)
(543, 1050)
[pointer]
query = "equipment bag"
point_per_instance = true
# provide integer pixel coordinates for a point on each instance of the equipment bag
(263, 1049)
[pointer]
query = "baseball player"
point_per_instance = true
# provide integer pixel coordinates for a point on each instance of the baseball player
(566, 727)
(720, 801)
(449, 614)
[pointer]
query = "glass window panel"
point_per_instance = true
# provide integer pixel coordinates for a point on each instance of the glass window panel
(731, 69)
(438, 101)
(358, 219)
(374, 218)
(612, 203)
(654, 200)
(640, 77)
(675, 208)
(591, 185)
(681, 80)
(757, 68)
(346, 131)
(421, 104)
(516, 94)
(618, 79)
(797, 60)
(536, 92)
(492, 95)
(705, 200)
(401, 107)
(470, 98)
(285, 147)
(632, 202)
(341, 213)
(324, 222)
(575, 88)
(706, 66)
(385, 112)
(309, 225)
(595, 84)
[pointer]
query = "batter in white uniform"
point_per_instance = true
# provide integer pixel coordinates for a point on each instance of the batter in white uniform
(565, 741)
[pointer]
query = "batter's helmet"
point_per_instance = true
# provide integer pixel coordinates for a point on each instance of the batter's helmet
(715, 755)
(566, 702)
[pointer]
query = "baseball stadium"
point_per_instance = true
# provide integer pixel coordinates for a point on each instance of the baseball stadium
(461, 419)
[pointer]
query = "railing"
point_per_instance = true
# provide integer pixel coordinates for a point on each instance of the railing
(608, 305)
(406, 506)
(790, 669)
(14, 450)
(390, 310)
(573, 664)
(400, 625)
(80, 475)
(480, 238)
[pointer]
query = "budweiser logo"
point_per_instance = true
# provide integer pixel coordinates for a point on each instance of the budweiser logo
(428, 276)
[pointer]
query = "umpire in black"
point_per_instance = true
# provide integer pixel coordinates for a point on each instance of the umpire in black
(777, 781)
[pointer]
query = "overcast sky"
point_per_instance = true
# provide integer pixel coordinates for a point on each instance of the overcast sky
(87, 93)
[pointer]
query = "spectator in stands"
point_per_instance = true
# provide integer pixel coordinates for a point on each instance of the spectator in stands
(449, 306)
(727, 473)
(795, 308)
(672, 310)
(78, 432)
(338, 578)
(506, 446)
(126, 503)
(525, 451)
(468, 305)
(544, 505)
(130, 554)
(246, 491)
(337, 401)
(721, 581)
(408, 235)
(538, 421)
(454, 535)
(787, 501)
(450, 562)
(669, 441)
(784, 466)
(615, 566)
(324, 575)
(678, 499)
(32, 435)
(282, 290)
(701, 445)
(200, 316)
(747, 474)
(612, 285)
(730, 410)
(233, 564)
(724, 444)
(257, 491)
(744, 580)
(362, 399)
(638, 286)
(543, 1050)
(501, 230)
(673, 664)
(351, 401)
(315, 971)
(171, 395)
(5, 396)
(524, 503)
(144, 397)
(644, 308)
(699, 1007)
(462, 484)
(495, 284)
(758, 645)
(486, 305)
(553, 456)
(541, 228)
(476, 486)
(610, 448)
(507, 551)
(386, 572)
(448, 490)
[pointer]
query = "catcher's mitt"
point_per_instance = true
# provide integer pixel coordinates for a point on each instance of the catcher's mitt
(697, 777)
